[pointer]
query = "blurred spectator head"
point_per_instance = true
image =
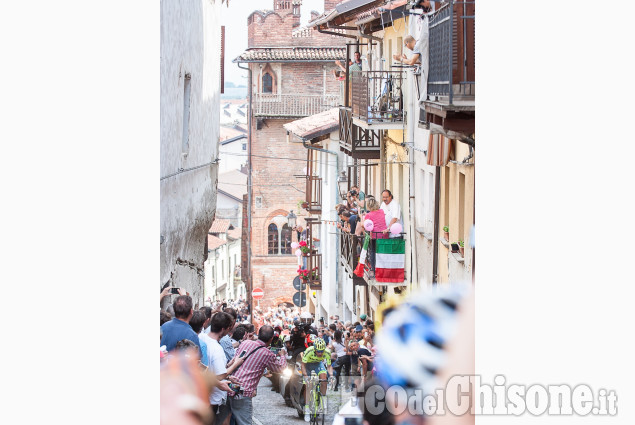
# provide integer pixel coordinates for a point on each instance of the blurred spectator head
(239, 332)
(165, 317)
(184, 344)
(221, 321)
(265, 334)
(182, 307)
(197, 321)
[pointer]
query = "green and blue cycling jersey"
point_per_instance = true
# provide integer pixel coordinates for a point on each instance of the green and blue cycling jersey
(314, 362)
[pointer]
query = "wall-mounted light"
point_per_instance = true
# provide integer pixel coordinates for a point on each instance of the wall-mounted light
(292, 219)
(342, 183)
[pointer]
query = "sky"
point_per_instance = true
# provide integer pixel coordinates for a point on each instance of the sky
(234, 18)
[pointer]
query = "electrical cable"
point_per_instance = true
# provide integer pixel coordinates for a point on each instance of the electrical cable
(185, 170)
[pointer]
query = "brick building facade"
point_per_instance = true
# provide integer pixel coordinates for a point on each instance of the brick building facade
(292, 76)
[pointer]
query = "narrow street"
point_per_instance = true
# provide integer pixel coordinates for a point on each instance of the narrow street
(270, 409)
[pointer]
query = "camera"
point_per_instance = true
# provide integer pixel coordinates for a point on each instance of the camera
(353, 193)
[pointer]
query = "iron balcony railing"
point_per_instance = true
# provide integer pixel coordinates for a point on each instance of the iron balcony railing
(451, 41)
(349, 256)
(350, 247)
(377, 96)
(292, 105)
(314, 266)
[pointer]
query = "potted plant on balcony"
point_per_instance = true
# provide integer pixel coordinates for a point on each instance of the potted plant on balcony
(461, 247)
(446, 233)
(305, 248)
(304, 275)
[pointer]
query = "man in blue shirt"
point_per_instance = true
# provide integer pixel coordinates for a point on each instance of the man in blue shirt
(179, 328)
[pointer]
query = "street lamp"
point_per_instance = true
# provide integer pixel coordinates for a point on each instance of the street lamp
(291, 219)
(342, 183)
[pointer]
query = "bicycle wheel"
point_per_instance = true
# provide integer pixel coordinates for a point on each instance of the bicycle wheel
(313, 407)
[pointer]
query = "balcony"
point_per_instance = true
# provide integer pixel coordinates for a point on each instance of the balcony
(268, 105)
(314, 266)
(355, 141)
(313, 194)
(451, 80)
(349, 256)
(350, 246)
(313, 259)
(377, 99)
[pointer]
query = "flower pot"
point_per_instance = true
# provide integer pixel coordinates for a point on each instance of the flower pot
(461, 250)
(446, 235)
(305, 254)
(305, 205)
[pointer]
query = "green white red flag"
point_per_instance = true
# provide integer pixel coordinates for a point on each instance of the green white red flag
(359, 270)
(390, 260)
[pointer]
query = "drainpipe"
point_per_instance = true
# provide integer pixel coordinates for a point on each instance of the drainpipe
(337, 172)
(435, 233)
(249, 195)
(379, 41)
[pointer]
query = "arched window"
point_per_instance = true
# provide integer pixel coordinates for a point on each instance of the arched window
(272, 239)
(267, 83)
(285, 239)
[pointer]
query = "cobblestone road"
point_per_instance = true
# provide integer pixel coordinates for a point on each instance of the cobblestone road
(270, 409)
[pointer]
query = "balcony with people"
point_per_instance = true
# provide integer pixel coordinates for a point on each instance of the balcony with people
(372, 244)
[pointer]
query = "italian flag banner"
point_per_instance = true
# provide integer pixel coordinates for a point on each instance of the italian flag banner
(359, 270)
(390, 260)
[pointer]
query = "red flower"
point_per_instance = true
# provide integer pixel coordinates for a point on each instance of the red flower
(302, 243)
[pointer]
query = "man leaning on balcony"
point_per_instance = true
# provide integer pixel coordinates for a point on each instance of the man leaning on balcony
(411, 44)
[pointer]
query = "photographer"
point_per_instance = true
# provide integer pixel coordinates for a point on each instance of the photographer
(297, 338)
(356, 199)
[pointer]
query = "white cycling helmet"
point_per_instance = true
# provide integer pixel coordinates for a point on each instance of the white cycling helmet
(412, 338)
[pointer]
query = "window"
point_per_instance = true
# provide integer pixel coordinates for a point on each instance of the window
(285, 239)
(244, 146)
(186, 112)
(267, 83)
(272, 239)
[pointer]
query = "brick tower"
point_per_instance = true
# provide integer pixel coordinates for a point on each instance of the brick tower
(292, 77)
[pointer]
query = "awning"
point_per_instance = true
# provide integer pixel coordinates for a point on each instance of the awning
(315, 125)
(383, 16)
(344, 12)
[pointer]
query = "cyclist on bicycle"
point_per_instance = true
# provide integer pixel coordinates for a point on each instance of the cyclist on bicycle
(316, 358)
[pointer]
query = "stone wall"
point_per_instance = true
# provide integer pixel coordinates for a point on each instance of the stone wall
(190, 42)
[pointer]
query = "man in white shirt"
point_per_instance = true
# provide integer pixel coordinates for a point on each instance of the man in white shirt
(392, 210)
(221, 325)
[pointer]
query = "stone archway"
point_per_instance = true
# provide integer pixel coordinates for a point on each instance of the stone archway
(282, 300)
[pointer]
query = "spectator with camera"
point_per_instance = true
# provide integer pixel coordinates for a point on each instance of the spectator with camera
(356, 199)
(256, 358)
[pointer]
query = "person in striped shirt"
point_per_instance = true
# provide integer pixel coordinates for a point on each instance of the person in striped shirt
(257, 358)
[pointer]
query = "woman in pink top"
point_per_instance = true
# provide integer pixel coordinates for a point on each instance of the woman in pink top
(377, 216)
